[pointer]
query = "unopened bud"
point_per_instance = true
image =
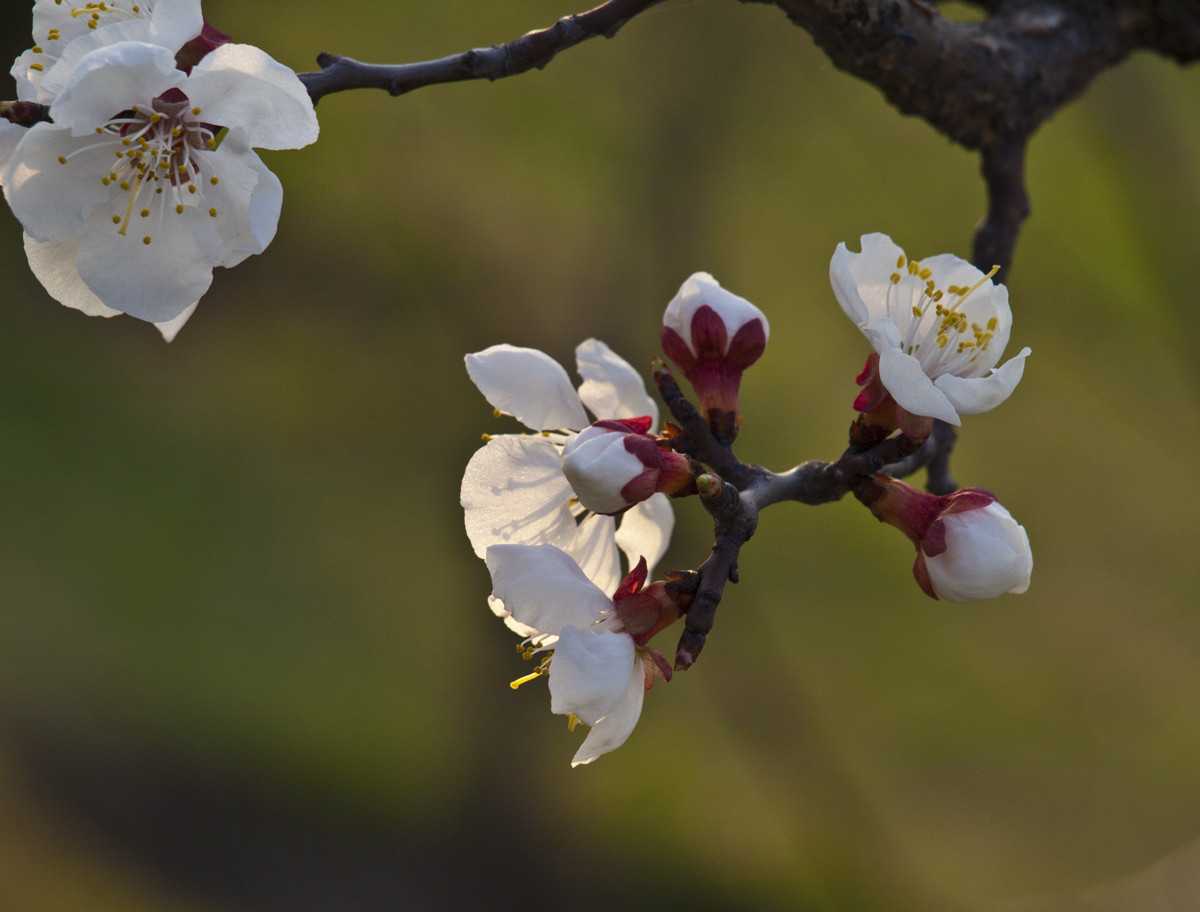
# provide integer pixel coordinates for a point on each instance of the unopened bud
(614, 465)
(714, 335)
(969, 547)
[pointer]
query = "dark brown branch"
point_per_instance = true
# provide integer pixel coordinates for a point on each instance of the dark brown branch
(1008, 205)
(531, 51)
(24, 113)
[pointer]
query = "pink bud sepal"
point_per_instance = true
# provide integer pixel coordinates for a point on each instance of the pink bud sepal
(643, 611)
(880, 411)
(714, 336)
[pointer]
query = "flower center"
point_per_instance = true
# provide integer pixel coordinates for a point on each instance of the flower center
(939, 334)
(159, 151)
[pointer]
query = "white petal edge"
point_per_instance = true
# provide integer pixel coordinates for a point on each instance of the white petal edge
(611, 387)
(982, 394)
(53, 264)
(529, 385)
(239, 85)
(10, 137)
(645, 530)
(903, 377)
(614, 729)
(171, 328)
(860, 280)
(543, 588)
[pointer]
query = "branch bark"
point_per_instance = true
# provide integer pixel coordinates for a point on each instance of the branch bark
(531, 51)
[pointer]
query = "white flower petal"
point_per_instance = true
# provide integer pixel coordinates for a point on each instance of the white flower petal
(238, 85)
(171, 328)
(543, 588)
(987, 555)
(903, 377)
(27, 78)
(982, 394)
(155, 282)
(611, 387)
(590, 672)
(646, 529)
(595, 550)
(529, 385)
(10, 137)
(514, 492)
(52, 200)
(614, 729)
(861, 280)
(53, 263)
(702, 290)
(173, 23)
(113, 79)
(74, 50)
(260, 220)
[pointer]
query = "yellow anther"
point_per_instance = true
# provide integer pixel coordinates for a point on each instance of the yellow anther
(943, 340)
(147, 240)
(900, 261)
(484, 437)
(214, 180)
(145, 213)
(573, 722)
(917, 312)
(992, 324)
(926, 273)
(895, 278)
(496, 413)
(116, 220)
(37, 49)
(36, 66)
(937, 295)
(196, 112)
(521, 682)
(212, 212)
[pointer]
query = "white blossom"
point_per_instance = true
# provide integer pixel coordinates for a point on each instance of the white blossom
(596, 671)
(939, 327)
(514, 490)
(986, 555)
(146, 179)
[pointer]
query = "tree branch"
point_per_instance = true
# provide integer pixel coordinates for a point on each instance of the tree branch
(531, 51)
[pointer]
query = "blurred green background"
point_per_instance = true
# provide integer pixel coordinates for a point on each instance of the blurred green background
(246, 661)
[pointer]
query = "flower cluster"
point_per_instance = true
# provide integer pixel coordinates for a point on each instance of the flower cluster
(145, 179)
(550, 511)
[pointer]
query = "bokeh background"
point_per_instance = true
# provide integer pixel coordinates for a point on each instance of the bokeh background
(245, 657)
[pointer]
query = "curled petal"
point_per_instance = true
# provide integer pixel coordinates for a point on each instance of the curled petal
(861, 280)
(646, 529)
(529, 385)
(543, 588)
(903, 377)
(113, 79)
(615, 728)
(611, 387)
(590, 672)
(238, 85)
(973, 396)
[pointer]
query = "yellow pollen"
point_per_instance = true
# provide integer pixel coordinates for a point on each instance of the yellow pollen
(521, 682)
(179, 209)
(900, 261)
(212, 212)
(36, 66)
(926, 273)
(485, 437)
(116, 219)
(62, 159)
(572, 722)
(992, 324)
(147, 240)
(196, 112)
(895, 278)
(145, 213)
(214, 180)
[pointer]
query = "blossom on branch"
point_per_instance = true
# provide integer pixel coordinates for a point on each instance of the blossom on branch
(968, 545)
(146, 178)
(938, 326)
(714, 335)
(515, 489)
(590, 646)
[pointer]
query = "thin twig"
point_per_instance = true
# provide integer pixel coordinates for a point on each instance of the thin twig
(531, 51)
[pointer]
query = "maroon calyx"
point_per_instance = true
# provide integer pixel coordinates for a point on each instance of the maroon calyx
(200, 47)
